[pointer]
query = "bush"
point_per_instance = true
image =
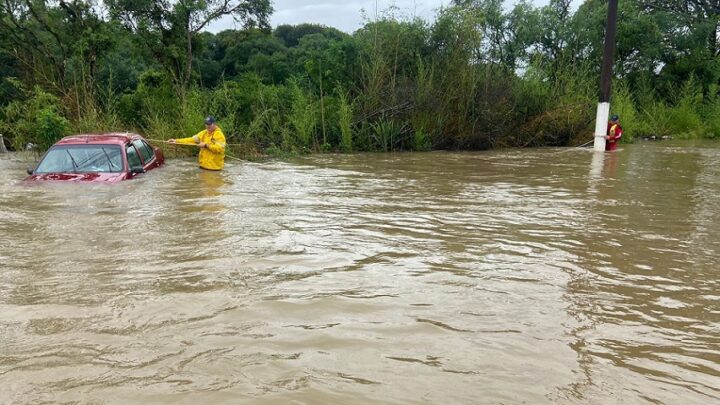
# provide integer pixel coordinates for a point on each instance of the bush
(623, 105)
(388, 134)
(711, 113)
(713, 123)
(303, 115)
(37, 119)
(49, 127)
(685, 121)
(655, 120)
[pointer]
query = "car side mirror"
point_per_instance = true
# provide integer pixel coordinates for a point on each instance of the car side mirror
(30, 170)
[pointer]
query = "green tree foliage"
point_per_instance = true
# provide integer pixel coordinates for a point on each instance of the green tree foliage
(480, 75)
(37, 119)
(169, 29)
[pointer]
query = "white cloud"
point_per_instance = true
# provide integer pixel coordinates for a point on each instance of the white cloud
(346, 15)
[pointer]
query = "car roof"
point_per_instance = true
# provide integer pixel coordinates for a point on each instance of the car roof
(117, 138)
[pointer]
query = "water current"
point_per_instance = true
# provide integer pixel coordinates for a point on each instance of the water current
(536, 276)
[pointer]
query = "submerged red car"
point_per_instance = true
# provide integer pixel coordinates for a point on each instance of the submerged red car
(106, 158)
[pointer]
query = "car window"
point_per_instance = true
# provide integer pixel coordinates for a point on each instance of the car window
(133, 158)
(149, 150)
(82, 159)
(145, 151)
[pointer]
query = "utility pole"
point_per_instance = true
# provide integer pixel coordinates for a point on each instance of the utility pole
(603, 109)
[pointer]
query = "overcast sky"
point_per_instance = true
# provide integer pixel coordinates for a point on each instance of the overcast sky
(346, 15)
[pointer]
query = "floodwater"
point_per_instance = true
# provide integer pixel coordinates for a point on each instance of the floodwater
(524, 276)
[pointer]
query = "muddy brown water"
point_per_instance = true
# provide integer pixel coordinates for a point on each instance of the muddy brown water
(523, 276)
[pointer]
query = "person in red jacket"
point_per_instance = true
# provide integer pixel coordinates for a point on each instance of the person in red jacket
(614, 133)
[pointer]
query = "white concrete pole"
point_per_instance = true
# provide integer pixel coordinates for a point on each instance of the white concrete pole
(603, 112)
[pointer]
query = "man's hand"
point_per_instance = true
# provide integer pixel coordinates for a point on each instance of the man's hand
(171, 141)
(202, 145)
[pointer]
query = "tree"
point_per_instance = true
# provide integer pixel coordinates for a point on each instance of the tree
(44, 38)
(59, 46)
(291, 34)
(691, 34)
(169, 28)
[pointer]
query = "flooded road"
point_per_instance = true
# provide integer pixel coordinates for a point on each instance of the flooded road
(531, 276)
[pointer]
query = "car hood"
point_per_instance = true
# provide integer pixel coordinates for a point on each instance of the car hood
(78, 177)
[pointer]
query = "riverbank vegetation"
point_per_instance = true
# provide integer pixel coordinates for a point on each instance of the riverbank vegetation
(479, 76)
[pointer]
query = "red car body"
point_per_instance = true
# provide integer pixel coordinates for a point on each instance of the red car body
(106, 158)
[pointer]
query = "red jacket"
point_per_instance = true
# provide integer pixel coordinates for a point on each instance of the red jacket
(614, 133)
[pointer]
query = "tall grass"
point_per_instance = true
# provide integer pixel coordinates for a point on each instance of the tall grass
(388, 134)
(691, 114)
(624, 106)
(424, 118)
(345, 113)
(711, 112)
(303, 116)
(685, 121)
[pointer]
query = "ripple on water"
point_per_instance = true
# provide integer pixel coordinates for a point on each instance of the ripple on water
(530, 276)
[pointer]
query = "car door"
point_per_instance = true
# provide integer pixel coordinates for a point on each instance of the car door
(146, 153)
(135, 164)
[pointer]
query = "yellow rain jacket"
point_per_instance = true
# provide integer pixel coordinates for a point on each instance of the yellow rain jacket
(212, 157)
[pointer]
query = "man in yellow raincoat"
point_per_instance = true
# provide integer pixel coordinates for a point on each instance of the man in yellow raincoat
(211, 142)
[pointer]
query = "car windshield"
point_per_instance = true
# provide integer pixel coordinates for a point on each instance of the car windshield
(82, 159)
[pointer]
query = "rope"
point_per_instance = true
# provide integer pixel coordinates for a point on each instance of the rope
(233, 157)
(239, 144)
(192, 144)
(162, 141)
(586, 143)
